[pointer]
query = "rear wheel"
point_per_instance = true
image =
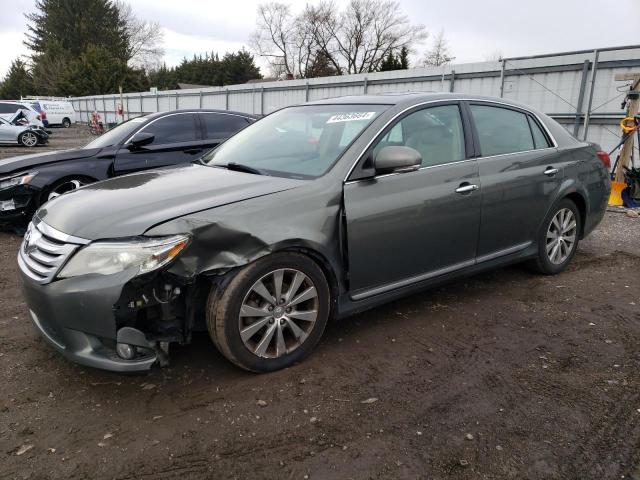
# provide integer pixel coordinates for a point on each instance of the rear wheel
(28, 139)
(271, 313)
(558, 240)
(66, 123)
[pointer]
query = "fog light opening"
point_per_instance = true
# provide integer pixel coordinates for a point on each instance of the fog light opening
(125, 351)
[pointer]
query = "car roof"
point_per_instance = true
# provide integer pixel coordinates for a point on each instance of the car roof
(151, 116)
(410, 98)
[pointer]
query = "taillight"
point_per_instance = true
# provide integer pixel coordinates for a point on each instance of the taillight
(604, 158)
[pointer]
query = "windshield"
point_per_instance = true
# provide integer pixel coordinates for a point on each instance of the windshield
(297, 142)
(118, 134)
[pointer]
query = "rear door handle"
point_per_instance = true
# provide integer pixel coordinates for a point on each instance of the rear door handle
(466, 188)
(550, 171)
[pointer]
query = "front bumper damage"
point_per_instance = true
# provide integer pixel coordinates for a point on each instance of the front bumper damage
(16, 203)
(88, 318)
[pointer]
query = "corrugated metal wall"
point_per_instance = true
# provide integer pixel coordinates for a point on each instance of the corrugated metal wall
(557, 84)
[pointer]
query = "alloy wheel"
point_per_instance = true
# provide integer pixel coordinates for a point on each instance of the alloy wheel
(64, 188)
(278, 313)
(561, 236)
(29, 139)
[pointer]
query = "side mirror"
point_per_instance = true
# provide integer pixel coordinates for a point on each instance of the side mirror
(140, 140)
(397, 160)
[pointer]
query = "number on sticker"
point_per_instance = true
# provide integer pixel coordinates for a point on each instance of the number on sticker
(351, 116)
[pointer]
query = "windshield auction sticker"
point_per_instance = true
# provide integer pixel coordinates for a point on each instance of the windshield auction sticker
(351, 117)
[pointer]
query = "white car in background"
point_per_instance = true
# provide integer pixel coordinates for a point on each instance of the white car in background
(25, 135)
(57, 112)
(8, 109)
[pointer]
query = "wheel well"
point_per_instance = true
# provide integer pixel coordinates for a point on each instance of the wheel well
(324, 265)
(578, 199)
(45, 191)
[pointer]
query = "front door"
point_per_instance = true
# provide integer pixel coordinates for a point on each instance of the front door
(178, 139)
(403, 228)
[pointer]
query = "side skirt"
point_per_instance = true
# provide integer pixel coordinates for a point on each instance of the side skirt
(355, 302)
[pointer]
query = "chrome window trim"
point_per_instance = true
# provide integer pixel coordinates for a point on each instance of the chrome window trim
(183, 113)
(440, 100)
(49, 231)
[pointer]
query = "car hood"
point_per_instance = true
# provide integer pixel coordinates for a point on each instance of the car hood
(130, 205)
(26, 162)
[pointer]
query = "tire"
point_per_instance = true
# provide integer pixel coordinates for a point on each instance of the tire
(555, 255)
(237, 294)
(63, 186)
(28, 139)
(66, 123)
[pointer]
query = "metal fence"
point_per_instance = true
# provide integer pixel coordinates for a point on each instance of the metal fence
(576, 88)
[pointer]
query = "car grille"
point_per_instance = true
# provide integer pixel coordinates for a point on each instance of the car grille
(44, 250)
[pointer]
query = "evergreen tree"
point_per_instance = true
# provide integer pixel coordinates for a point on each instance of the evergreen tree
(17, 83)
(74, 24)
(390, 63)
(321, 66)
(238, 68)
(403, 58)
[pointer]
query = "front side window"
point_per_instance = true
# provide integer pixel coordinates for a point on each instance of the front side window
(501, 130)
(119, 134)
(435, 132)
(298, 142)
(173, 129)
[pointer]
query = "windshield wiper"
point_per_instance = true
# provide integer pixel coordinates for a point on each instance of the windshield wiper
(239, 167)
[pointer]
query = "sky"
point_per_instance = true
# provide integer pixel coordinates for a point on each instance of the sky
(476, 30)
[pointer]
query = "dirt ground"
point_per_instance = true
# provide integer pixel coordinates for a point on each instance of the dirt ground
(506, 375)
(60, 139)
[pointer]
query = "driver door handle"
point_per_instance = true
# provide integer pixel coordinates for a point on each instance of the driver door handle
(550, 171)
(466, 188)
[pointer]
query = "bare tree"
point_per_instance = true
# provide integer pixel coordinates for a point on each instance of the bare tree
(439, 54)
(274, 37)
(354, 40)
(145, 38)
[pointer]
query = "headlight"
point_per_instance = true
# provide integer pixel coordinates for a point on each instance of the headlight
(106, 258)
(20, 179)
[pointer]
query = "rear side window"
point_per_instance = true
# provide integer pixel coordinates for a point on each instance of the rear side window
(539, 138)
(8, 107)
(221, 126)
(501, 130)
(173, 129)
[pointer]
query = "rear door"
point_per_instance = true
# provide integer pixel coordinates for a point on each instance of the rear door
(519, 170)
(178, 139)
(8, 133)
(407, 227)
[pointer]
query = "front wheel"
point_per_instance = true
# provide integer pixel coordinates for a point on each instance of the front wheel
(28, 139)
(271, 313)
(64, 186)
(558, 240)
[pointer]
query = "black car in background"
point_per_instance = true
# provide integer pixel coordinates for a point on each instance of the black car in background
(142, 143)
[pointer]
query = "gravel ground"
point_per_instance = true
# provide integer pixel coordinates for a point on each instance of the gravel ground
(60, 139)
(505, 375)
